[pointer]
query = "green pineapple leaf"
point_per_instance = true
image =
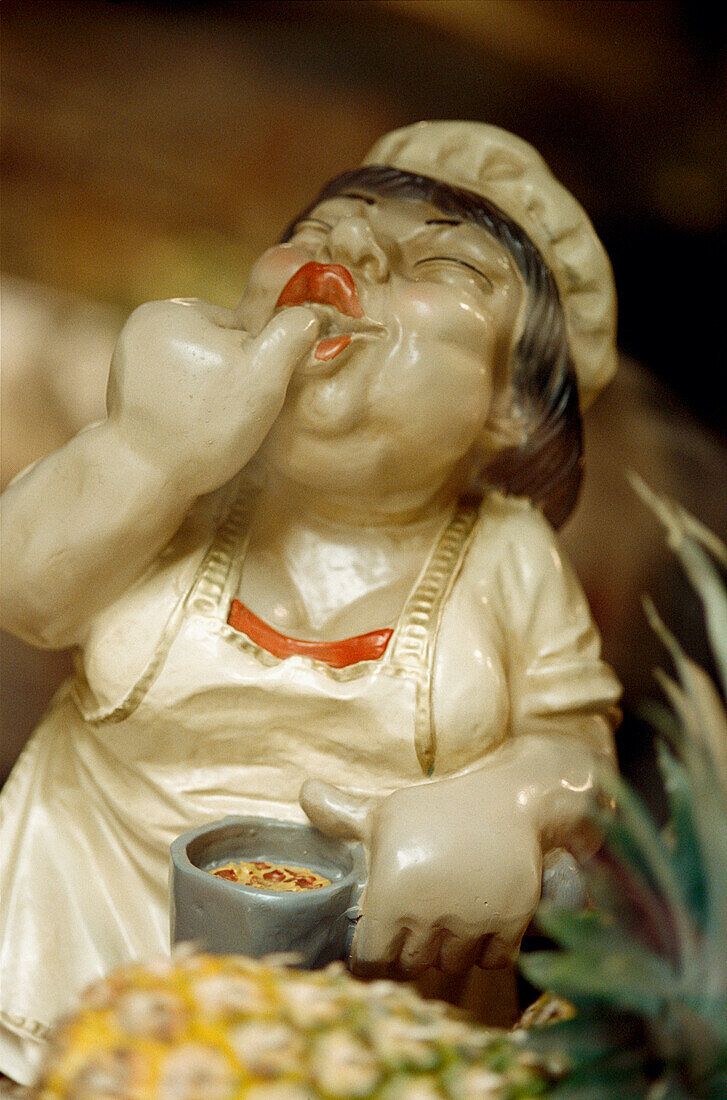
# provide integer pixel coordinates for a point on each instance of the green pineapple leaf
(694, 543)
(695, 700)
(632, 979)
(636, 828)
(681, 835)
(586, 1038)
(605, 1081)
(647, 969)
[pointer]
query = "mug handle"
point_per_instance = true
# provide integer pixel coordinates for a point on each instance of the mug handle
(351, 918)
(353, 912)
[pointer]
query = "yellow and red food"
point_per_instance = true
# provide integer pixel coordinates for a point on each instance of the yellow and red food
(270, 876)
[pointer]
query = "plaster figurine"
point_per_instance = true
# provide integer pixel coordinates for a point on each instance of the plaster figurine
(308, 546)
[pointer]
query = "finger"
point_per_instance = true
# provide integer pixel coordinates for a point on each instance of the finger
(457, 955)
(335, 812)
(419, 950)
(376, 947)
(286, 339)
(500, 950)
(216, 315)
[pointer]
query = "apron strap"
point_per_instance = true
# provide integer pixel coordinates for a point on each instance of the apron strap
(410, 652)
(413, 645)
(215, 576)
(411, 649)
(218, 578)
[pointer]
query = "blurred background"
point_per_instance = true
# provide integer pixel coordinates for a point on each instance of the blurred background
(154, 149)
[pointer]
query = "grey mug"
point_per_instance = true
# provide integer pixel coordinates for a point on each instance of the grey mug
(230, 918)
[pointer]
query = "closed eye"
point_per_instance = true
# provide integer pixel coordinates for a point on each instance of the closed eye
(358, 195)
(459, 263)
(311, 223)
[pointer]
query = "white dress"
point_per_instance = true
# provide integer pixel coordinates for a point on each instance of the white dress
(175, 719)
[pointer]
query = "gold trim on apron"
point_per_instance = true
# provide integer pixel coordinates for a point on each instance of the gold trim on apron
(413, 644)
(212, 578)
(410, 652)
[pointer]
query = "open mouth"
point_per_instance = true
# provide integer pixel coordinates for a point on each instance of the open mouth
(329, 285)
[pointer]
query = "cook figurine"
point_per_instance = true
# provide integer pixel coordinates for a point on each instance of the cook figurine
(308, 548)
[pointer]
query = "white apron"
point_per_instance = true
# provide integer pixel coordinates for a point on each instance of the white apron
(215, 725)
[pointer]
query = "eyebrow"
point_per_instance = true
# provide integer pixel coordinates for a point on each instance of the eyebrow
(443, 221)
(358, 195)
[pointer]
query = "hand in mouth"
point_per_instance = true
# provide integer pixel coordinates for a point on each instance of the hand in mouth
(327, 285)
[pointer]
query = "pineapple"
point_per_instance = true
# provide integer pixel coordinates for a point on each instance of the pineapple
(646, 966)
(201, 1027)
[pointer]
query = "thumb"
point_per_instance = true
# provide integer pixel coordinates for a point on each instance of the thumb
(218, 316)
(337, 813)
(286, 338)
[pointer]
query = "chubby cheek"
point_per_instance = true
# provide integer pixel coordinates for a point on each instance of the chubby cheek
(267, 277)
(440, 314)
(445, 360)
(434, 399)
(454, 411)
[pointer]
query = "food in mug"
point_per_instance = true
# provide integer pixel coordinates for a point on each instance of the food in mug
(270, 876)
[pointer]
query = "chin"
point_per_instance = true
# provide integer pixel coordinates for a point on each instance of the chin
(335, 466)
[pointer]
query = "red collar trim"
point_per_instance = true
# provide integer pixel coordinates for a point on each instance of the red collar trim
(340, 654)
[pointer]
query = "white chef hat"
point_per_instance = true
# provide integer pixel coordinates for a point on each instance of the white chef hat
(508, 172)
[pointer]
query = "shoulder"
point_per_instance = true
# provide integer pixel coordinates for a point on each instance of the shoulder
(510, 532)
(516, 565)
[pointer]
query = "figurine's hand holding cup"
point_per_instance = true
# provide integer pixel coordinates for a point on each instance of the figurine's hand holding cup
(196, 394)
(454, 872)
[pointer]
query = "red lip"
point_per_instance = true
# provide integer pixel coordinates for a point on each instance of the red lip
(327, 284)
(329, 349)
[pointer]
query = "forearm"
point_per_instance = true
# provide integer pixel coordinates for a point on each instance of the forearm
(77, 529)
(190, 400)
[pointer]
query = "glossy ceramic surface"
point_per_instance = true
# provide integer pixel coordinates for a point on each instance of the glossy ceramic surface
(330, 458)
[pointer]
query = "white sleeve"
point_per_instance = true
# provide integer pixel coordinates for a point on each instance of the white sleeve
(558, 682)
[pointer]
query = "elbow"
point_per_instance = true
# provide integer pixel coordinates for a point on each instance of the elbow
(601, 737)
(41, 596)
(34, 630)
(592, 734)
(31, 617)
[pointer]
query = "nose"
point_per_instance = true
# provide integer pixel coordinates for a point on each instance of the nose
(352, 242)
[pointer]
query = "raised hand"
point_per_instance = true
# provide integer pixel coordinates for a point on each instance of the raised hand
(190, 399)
(197, 395)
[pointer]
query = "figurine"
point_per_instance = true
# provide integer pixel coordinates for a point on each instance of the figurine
(307, 546)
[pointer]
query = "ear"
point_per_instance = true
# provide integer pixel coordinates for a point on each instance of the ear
(504, 427)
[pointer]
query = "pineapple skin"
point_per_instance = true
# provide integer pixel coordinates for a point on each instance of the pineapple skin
(203, 1027)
